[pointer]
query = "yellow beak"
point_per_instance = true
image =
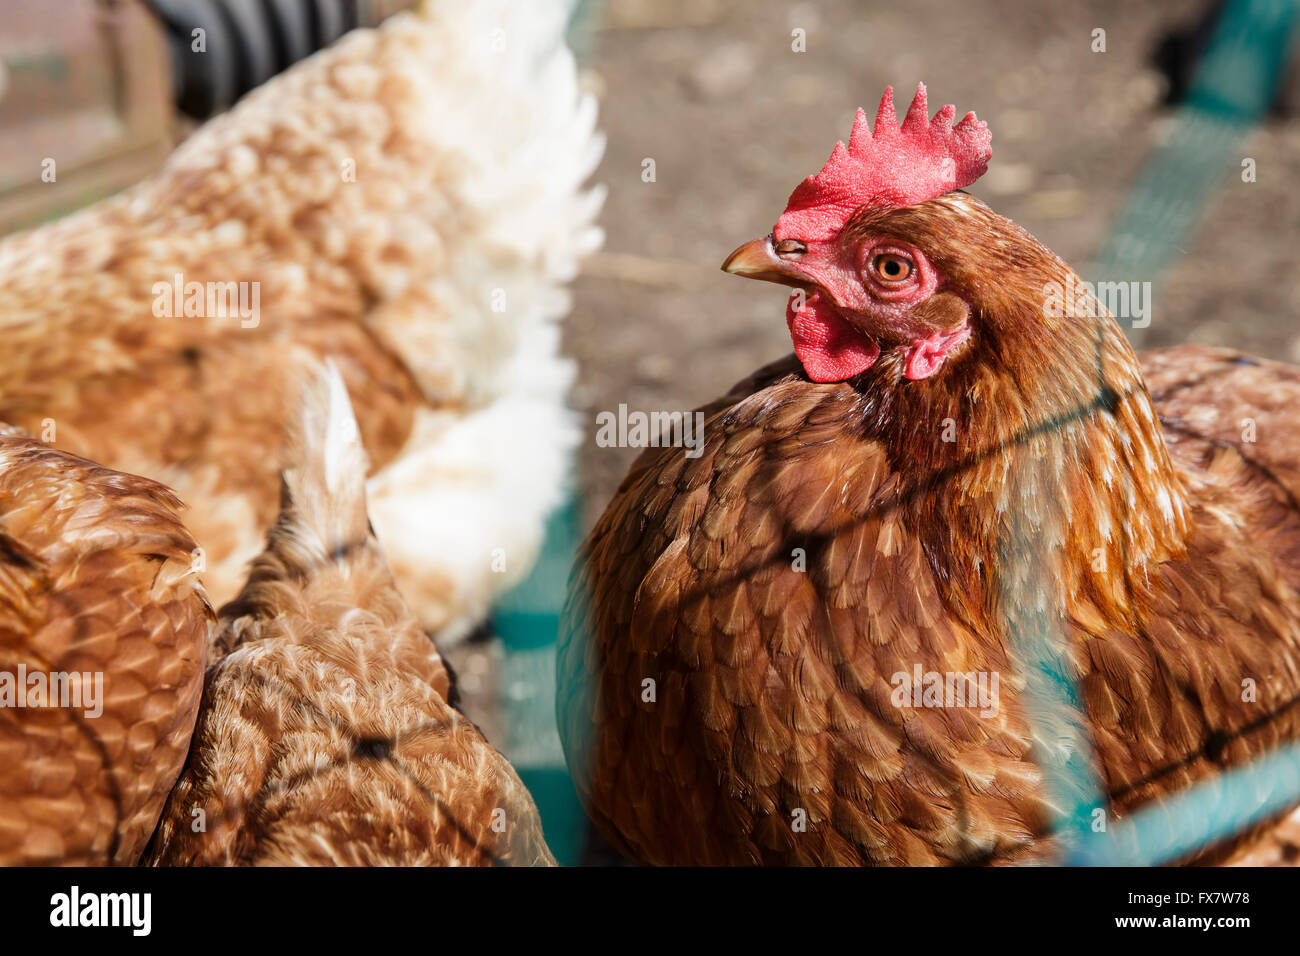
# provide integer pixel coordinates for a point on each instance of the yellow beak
(758, 260)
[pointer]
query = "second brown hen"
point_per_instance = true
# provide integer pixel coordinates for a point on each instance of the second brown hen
(327, 735)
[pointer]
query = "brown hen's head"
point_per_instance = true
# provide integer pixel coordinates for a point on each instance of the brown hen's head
(884, 258)
(932, 308)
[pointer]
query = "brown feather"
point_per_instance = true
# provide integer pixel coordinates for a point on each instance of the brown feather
(96, 578)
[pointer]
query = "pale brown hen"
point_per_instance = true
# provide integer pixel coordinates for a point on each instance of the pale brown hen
(949, 476)
(407, 202)
(103, 638)
(327, 735)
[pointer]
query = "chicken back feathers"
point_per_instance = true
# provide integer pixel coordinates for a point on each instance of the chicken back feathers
(408, 203)
(326, 735)
(103, 639)
(737, 622)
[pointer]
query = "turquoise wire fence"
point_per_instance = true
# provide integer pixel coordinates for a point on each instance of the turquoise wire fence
(1234, 86)
(527, 620)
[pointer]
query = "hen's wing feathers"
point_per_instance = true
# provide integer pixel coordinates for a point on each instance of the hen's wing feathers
(768, 592)
(95, 579)
(1221, 412)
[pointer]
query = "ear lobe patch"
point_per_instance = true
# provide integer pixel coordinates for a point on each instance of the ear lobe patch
(925, 357)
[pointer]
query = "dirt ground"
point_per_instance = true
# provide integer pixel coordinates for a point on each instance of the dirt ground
(733, 118)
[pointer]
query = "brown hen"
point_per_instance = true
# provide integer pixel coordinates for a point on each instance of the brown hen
(951, 477)
(327, 735)
(103, 638)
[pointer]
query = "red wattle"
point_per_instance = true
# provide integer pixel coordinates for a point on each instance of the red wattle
(830, 349)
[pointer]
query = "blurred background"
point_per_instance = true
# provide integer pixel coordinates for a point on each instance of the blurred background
(1119, 132)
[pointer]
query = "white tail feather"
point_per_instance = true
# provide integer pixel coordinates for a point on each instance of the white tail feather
(325, 485)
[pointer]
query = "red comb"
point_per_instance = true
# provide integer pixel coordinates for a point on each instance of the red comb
(890, 167)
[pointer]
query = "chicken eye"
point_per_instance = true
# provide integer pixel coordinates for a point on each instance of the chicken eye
(891, 268)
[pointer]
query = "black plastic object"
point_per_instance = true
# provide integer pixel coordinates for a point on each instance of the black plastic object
(1180, 51)
(243, 43)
